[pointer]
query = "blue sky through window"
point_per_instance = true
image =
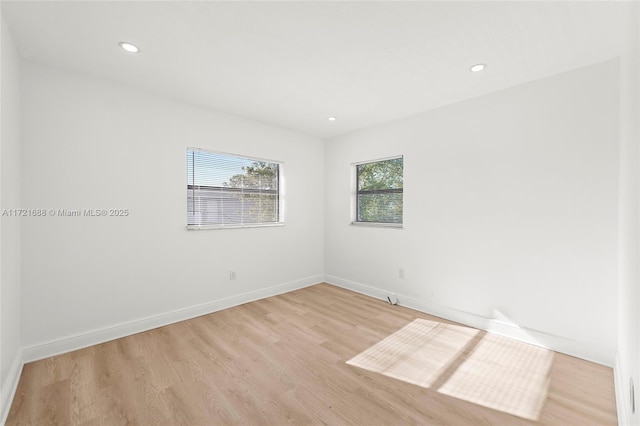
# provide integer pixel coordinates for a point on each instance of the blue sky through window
(213, 169)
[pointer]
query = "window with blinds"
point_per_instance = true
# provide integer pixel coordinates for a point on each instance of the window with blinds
(379, 192)
(229, 191)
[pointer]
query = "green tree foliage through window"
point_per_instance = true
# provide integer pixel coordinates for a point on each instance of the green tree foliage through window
(260, 184)
(379, 191)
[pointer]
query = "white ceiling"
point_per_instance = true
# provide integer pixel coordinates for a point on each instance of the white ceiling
(293, 64)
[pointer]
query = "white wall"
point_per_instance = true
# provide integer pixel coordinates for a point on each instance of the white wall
(628, 362)
(10, 346)
(510, 210)
(90, 144)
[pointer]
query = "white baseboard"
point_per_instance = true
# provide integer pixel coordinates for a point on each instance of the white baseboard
(97, 336)
(623, 395)
(10, 386)
(559, 344)
(621, 387)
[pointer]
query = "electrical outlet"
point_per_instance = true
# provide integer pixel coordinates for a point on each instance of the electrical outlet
(401, 273)
(232, 275)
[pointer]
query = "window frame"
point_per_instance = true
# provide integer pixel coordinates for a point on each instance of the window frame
(280, 194)
(355, 194)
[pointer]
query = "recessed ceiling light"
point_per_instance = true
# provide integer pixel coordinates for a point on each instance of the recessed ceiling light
(332, 118)
(131, 48)
(477, 67)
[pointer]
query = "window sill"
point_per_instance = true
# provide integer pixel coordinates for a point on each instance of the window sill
(378, 225)
(217, 227)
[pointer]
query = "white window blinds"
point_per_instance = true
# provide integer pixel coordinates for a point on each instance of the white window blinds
(224, 190)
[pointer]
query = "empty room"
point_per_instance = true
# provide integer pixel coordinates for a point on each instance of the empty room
(319, 212)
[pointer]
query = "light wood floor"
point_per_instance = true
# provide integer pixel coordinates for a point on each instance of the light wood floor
(281, 360)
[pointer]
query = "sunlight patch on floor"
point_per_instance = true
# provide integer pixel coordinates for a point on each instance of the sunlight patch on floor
(418, 353)
(503, 374)
(465, 363)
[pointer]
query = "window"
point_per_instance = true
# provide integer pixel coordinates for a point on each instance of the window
(228, 191)
(379, 192)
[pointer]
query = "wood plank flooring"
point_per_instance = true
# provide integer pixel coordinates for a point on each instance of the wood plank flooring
(282, 360)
